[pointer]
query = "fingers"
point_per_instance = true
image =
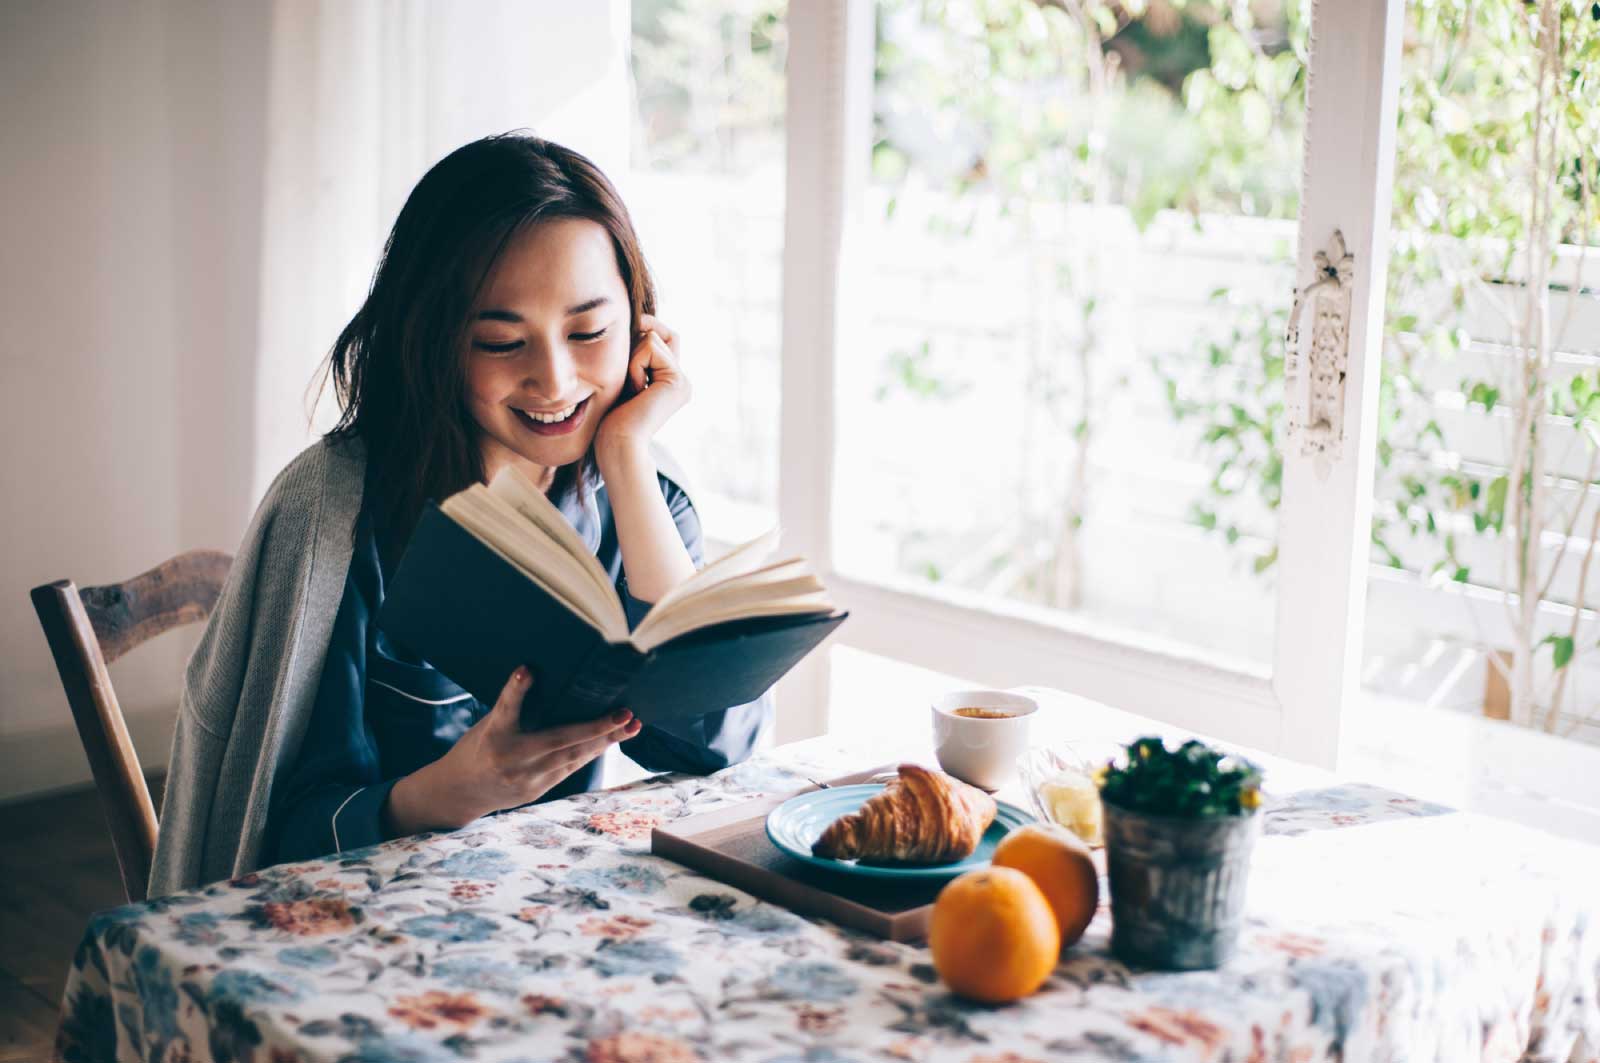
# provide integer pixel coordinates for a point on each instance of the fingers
(652, 362)
(608, 728)
(653, 324)
(639, 365)
(564, 763)
(507, 711)
(506, 715)
(557, 762)
(530, 764)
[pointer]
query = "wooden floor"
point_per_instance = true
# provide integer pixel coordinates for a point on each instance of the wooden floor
(56, 869)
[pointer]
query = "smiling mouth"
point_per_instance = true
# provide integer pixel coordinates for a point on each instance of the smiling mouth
(556, 422)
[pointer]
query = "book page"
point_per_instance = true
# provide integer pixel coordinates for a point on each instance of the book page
(685, 600)
(732, 577)
(515, 518)
(527, 546)
(736, 562)
(718, 611)
(520, 493)
(513, 538)
(463, 513)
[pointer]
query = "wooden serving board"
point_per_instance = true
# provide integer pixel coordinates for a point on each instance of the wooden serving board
(730, 845)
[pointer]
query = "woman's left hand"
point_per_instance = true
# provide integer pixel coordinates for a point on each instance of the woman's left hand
(659, 390)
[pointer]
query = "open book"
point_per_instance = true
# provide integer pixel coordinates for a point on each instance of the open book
(495, 577)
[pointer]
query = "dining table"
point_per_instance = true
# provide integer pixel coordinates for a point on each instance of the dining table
(1377, 927)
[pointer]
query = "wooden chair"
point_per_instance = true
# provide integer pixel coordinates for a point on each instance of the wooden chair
(89, 629)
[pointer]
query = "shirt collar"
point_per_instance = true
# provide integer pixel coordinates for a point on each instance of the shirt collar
(582, 510)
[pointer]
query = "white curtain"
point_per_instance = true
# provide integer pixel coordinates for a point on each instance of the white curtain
(364, 96)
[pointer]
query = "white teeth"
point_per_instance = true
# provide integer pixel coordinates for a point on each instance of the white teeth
(552, 418)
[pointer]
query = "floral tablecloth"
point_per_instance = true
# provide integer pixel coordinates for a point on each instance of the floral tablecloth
(1380, 928)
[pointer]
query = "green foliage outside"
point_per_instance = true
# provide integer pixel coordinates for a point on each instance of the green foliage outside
(1495, 167)
(1198, 106)
(1493, 213)
(1463, 186)
(708, 84)
(1027, 106)
(1042, 98)
(1227, 142)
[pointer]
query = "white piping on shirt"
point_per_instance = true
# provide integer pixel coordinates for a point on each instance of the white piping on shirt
(413, 697)
(335, 821)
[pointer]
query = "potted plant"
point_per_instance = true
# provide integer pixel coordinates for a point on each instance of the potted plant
(1179, 828)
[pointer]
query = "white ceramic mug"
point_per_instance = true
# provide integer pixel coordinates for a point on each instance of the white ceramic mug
(977, 749)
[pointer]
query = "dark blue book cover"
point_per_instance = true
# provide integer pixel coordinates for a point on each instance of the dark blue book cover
(474, 616)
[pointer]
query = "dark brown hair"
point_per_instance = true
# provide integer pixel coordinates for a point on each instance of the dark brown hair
(398, 368)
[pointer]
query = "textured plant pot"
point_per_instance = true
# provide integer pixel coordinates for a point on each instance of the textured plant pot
(1177, 887)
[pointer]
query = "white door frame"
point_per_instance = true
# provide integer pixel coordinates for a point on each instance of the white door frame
(1323, 524)
(828, 130)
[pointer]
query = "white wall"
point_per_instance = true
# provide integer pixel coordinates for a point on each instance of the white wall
(363, 98)
(136, 406)
(130, 197)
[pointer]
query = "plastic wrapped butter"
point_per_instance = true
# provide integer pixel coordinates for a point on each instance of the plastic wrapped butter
(1073, 801)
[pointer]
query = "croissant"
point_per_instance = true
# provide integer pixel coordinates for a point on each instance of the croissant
(921, 817)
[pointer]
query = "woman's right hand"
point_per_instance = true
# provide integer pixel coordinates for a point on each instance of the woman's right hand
(496, 765)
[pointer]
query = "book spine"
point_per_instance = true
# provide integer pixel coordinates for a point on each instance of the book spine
(597, 687)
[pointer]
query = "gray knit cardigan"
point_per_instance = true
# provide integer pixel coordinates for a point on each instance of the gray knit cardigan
(252, 682)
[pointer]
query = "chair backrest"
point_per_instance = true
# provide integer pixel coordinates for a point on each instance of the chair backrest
(89, 629)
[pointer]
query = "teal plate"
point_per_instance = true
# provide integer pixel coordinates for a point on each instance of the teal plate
(794, 825)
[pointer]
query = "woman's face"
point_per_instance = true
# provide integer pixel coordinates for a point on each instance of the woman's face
(547, 346)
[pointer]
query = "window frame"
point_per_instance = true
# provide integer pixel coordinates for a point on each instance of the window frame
(1295, 706)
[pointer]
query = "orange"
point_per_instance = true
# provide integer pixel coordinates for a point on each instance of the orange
(992, 935)
(1060, 865)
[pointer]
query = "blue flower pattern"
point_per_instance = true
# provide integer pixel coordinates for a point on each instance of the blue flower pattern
(614, 959)
(476, 863)
(478, 972)
(529, 936)
(623, 878)
(308, 957)
(810, 981)
(157, 994)
(247, 986)
(452, 926)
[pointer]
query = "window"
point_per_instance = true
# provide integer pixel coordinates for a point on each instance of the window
(706, 191)
(1078, 244)
(1478, 604)
(861, 391)
(1043, 417)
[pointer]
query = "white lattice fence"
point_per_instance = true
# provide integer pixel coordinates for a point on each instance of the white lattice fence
(971, 479)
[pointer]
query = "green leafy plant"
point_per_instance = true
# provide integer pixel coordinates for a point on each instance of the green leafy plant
(1010, 109)
(1494, 209)
(1193, 781)
(1006, 108)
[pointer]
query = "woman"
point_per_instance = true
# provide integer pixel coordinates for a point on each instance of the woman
(510, 324)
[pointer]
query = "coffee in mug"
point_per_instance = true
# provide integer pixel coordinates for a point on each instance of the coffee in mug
(975, 713)
(979, 734)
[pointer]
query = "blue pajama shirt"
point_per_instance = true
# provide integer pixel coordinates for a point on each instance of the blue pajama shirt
(381, 713)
